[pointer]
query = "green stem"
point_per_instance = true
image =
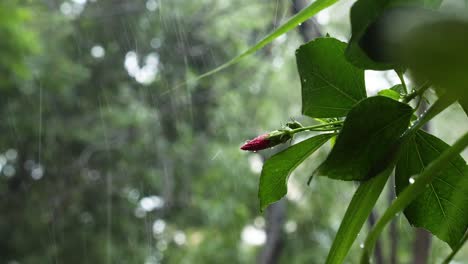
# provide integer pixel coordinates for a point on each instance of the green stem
(321, 127)
(297, 19)
(441, 104)
(455, 250)
(358, 211)
(417, 92)
(402, 80)
(411, 192)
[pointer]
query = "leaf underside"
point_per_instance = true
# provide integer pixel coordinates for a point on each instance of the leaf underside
(276, 170)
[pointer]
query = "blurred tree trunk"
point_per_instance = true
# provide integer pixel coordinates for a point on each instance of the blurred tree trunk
(422, 240)
(378, 254)
(393, 225)
(275, 215)
(421, 246)
(309, 30)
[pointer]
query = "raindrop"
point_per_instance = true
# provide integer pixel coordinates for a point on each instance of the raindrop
(361, 245)
(411, 180)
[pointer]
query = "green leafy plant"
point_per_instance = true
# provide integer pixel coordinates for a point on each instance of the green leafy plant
(379, 134)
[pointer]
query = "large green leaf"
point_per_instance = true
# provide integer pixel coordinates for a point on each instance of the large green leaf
(366, 32)
(411, 192)
(367, 139)
(292, 23)
(331, 86)
(276, 170)
(443, 207)
(356, 215)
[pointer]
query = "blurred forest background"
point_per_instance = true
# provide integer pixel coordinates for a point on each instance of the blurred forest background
(105, 158)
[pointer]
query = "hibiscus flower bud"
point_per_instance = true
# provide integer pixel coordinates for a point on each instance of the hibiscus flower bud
(267, 140)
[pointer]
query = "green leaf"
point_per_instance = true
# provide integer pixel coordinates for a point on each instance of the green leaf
(365, 33)
(276, 170)
(390, 94)
(414, 190)
(356, 215)
(443, 207)
(292, 23)
(331, 86)
(369, 135)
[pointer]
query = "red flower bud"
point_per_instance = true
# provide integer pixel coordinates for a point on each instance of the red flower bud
(267, 140)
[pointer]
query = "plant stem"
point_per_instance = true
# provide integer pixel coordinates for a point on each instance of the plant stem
(455, 250)
(321, 127)
(417, 92)
(441, 104)
(358, 211)
(411, 192)
(402, 80)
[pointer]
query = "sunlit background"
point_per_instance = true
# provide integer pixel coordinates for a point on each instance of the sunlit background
(112, 153)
